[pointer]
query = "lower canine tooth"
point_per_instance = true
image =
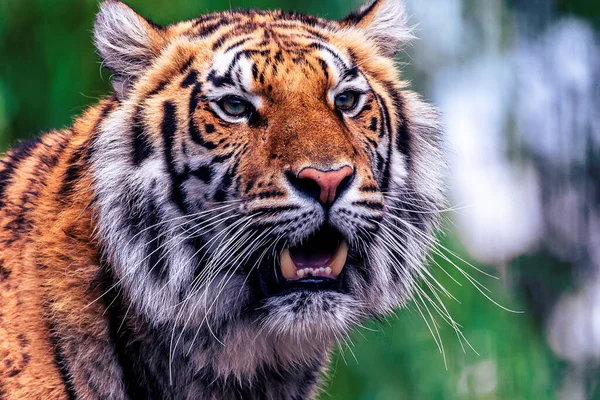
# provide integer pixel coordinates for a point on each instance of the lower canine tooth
(300, 274)
(337, 262)
(288, 268)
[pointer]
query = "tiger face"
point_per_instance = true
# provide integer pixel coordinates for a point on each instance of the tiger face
(265, 175)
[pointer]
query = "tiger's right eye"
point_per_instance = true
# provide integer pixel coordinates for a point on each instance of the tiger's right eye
(235, 106)
(347, 100)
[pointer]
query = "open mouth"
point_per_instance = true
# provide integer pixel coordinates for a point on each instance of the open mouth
(317, 264)
(323, 255)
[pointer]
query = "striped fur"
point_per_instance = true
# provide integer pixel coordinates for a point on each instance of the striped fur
(132, 243)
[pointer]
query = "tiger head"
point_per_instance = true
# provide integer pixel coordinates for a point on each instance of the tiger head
(265, 174)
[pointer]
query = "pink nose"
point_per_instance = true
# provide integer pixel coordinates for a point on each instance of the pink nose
(328, 181)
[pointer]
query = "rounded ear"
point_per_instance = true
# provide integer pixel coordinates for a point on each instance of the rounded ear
(384, 22)
(126, 42)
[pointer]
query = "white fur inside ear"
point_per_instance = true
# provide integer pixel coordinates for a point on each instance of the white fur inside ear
(385, 22)
(123, 39)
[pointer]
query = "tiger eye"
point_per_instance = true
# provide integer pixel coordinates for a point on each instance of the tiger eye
(346, 101)
(235, 106)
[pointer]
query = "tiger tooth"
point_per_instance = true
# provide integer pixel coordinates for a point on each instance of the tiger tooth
(288, 268)
(337, 262)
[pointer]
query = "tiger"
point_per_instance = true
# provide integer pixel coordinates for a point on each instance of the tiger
(256, 186)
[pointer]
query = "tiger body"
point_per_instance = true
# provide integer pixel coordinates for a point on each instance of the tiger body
(138, 249)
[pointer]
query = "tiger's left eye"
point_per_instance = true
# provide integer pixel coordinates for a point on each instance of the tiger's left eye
(235, 106)
(346, 101)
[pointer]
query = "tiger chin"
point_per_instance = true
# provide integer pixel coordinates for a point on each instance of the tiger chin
(259, 183)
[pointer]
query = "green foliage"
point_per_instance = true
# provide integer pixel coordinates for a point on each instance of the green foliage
(586, 9)
(399, 359)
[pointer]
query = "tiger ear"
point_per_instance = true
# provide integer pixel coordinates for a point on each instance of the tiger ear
(384, 22)
(126, 42)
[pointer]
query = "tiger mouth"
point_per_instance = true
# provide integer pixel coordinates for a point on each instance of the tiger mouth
(323, 255)
(320, 257)
(317, 264)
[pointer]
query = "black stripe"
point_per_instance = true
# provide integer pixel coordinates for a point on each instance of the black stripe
(60, 362)
(369, 189)
(371, 205)
(225, 185)
(372, 142)
(194, 130)
(225, 79)
(325, 68)
(278, 57)
(105, 112)
(273, 210)
(403, 139)
(319, 46)
(169, 128)
(210, 128)
(157, 261)
(220, 81)
(75, 169)
(267, 195)
(350, 73)
(159, 88)
(249, 185)
(380, 161)
(187, 64)
(135, 218)
(236, 44)
(385, 115)
(357, 16)
(221, 41)
(141, 146)
(125, 345)
(81, 157)
(205, 19)
(386, 124)
(190, 79)
(4, 273)
(204, 173)
(222, 158)
(11, 163)
(50, 158)
(211, 27)
(374, 124)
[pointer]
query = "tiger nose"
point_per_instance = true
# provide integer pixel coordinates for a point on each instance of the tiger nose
(324, 185)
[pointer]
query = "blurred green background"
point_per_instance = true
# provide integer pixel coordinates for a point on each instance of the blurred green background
(49, 73)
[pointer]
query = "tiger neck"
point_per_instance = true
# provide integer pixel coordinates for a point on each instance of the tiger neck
(160, 362)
